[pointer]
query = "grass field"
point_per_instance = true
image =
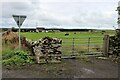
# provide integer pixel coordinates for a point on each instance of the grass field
(79, 37)
(36, 36)
(81, 40)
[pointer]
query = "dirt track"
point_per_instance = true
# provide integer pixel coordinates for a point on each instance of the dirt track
(69, 68)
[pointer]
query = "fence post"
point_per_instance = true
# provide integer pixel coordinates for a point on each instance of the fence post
(88, 44)
(73, 47)
(106, 45)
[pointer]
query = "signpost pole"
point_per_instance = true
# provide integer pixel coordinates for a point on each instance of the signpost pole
(19, 34)
(19, 20)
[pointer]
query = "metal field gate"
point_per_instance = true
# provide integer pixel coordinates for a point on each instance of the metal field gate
(82, 45)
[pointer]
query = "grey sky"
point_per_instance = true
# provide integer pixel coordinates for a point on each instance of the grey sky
(61, 13)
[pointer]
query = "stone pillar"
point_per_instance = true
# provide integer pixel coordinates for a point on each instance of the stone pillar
(106, 45)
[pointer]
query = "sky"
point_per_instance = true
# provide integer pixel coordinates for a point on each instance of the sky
(68, 14)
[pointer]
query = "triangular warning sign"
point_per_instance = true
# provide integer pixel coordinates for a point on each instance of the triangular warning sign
(19, 19)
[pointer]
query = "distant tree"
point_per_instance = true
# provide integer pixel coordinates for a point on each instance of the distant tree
(13, 29)
(4, 29)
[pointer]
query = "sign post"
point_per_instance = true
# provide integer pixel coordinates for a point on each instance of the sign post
(19, 19)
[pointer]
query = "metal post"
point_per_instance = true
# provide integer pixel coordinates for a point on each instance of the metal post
(19, 20)
(73, 47)
(88, 44)
(19, 34)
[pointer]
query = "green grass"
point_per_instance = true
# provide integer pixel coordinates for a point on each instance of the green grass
(36, 36)
(16, 57)
(80, 39)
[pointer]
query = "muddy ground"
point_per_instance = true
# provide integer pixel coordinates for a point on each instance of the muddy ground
(68, 68)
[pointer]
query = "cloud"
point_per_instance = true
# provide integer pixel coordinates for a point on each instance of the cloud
(96, 19)
(64, 13)
(9, 8)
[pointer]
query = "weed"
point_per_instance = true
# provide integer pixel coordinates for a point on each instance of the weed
(17, 57)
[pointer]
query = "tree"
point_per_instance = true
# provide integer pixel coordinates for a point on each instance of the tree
(13, 29)
(116, 39)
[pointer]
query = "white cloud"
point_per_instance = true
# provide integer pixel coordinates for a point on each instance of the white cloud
(66, 13)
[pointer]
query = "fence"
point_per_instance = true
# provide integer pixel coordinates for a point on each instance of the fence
(82, 45)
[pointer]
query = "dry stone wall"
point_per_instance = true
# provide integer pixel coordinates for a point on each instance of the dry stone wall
(46, 48)
(114, 44)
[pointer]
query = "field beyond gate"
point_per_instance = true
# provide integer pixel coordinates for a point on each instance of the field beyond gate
(76, 43)
(82, 45)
